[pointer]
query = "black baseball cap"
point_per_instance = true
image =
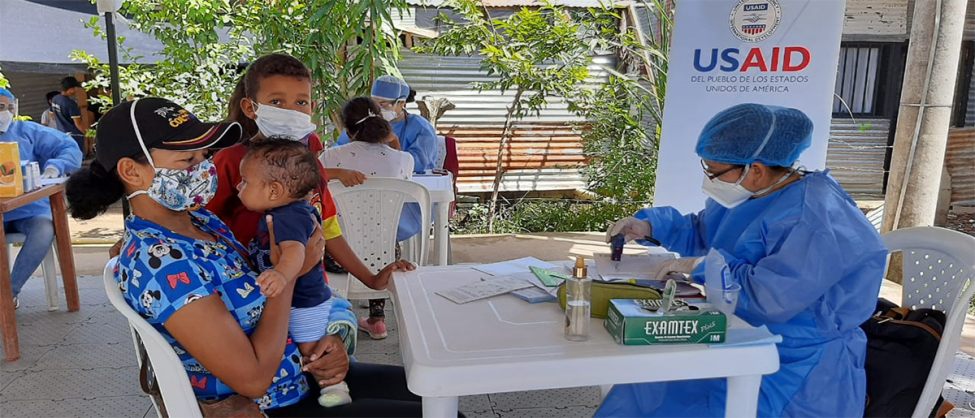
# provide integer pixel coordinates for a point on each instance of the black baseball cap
(160, 124)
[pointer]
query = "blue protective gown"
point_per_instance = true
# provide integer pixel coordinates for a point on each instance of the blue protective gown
(50, 148)
(417, 137)
(810, 267)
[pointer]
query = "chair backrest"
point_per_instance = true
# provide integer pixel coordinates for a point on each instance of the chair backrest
(369, 215)
(938, 274)
(174, 383)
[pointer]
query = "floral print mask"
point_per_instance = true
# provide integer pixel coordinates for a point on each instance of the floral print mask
(183, 190)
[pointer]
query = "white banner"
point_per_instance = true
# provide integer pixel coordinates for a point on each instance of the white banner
(728, 52)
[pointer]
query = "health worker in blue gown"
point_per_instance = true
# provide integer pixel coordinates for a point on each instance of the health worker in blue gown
(415, 134)
(808, 262)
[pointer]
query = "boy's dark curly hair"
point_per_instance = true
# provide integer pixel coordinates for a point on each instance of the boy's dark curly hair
(288, 162)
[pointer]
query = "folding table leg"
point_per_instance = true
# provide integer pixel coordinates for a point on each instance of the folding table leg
(8, 319)
(743, 396)
(440, 407)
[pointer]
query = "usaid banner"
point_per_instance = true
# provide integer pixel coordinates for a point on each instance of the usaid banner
(728, 52)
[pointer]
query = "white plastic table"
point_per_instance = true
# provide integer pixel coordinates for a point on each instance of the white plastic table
(441, 189)
(504, 344)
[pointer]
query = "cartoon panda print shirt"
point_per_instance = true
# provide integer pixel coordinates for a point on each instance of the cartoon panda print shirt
(160, 272)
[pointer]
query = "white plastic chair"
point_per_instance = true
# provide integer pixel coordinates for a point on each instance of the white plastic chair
(47, 268)
(369, 216)
(174, 383)
(938, 274)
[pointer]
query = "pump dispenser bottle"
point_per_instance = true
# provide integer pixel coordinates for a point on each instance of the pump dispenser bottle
(578, 306)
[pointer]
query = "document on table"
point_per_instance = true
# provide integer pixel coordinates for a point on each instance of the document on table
(513, 266)
(57, 180)
(483, 289)
(631, 266)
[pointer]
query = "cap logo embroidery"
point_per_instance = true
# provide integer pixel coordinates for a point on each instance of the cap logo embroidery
(181, 117)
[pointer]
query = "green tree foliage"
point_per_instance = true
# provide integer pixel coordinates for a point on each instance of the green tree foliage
(346, 45)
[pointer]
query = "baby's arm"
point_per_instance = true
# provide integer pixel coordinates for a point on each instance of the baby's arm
(285, 270)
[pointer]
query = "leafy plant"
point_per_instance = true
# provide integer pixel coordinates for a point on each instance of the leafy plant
(345, 44)
(4, 83)
(537, 53)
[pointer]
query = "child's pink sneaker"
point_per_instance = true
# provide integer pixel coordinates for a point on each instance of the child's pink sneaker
(377, 331)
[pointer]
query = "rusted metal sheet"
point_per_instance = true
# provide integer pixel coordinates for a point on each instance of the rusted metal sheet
(960, 159)
(876, 18)
(540, 156)
(856, 154)
(544, 153)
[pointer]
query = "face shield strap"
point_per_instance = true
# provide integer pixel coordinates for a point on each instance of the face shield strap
(138, 135)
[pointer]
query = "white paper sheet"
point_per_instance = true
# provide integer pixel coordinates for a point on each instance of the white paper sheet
(56, 180)
(643, 266)
(483, 289)
(513, 266)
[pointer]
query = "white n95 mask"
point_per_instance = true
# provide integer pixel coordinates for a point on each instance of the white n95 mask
(5, 118)
(274, 121)
(389, 115)
(730, 195)
(727, 194)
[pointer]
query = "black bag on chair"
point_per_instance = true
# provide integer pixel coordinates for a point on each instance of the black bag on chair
(901, 346)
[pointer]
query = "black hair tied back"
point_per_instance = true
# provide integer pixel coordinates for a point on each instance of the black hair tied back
(91, 191)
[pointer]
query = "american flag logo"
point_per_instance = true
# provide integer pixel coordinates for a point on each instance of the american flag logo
(752, 29)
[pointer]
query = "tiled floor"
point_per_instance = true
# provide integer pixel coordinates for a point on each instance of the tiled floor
(82, 364)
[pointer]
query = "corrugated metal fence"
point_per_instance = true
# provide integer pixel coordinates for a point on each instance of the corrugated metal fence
(544, 153)
(856, 154)
(960, 160)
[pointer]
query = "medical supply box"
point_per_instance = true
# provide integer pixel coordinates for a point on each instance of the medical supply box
(11, 177)
(631, 324)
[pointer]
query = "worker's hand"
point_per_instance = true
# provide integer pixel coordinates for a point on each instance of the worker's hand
(50, 173)
(631, 228)
(684, 265)
(350, 178)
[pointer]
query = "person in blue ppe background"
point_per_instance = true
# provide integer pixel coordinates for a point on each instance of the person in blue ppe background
(415, 134)
(808, 261)
(57, 154)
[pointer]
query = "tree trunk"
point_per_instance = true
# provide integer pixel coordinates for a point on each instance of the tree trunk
(499, 170)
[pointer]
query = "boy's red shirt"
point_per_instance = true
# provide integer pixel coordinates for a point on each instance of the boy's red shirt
(242, 222)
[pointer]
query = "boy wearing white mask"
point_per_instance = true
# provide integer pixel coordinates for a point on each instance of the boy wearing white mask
(277, 96)
(57, 154)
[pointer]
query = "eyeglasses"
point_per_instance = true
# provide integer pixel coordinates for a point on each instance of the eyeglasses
(712, 176)
(11, 107)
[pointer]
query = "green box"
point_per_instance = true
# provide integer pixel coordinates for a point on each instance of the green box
(630, 324)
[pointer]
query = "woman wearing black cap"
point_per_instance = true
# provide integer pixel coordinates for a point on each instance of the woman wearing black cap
(182, 270)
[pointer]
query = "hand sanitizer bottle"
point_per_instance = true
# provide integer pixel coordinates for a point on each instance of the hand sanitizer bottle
(578, 303)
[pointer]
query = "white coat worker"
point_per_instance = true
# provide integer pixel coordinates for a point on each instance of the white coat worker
(808, 262)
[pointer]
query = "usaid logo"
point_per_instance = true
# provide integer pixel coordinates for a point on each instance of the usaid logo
(755, 20)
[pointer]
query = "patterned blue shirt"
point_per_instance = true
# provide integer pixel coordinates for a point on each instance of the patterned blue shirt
(160, 272)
